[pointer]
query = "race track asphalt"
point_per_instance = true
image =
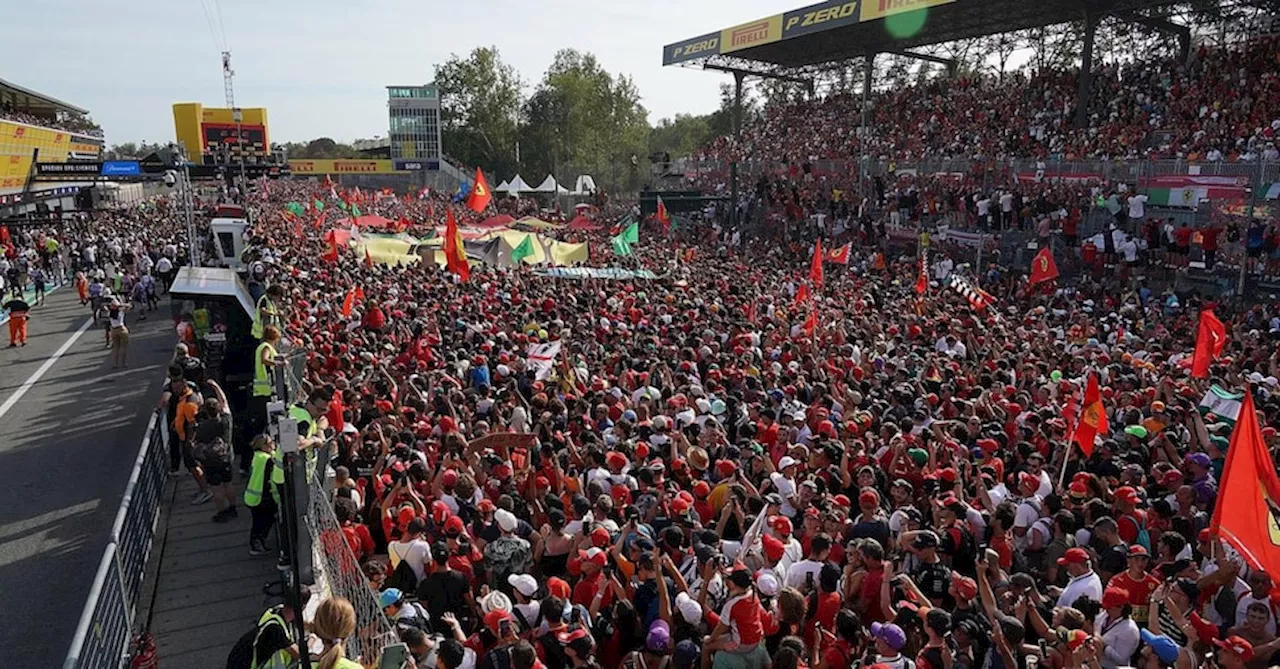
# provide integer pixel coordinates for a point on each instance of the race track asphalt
(67, 445)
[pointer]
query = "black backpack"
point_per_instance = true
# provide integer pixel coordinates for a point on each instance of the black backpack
(241, 655)
(402, 579)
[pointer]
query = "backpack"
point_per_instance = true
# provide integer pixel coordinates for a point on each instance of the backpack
(241, 655)
(420, 621)
(403, 578)
(1144, 537)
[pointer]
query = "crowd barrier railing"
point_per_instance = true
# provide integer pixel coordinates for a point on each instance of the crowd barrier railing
(102, 635)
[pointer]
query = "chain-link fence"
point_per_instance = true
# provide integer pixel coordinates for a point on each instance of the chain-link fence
(338, 574)
(101, 638)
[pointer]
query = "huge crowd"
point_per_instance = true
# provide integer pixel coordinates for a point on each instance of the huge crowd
(735, 466)
(1219, 105)
(69, 122)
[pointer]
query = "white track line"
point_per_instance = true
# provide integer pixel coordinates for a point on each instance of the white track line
(31, 381)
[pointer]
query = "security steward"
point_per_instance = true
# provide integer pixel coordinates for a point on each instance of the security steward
(273, 643)
(19, 312)
(268, 311)
(264, 361)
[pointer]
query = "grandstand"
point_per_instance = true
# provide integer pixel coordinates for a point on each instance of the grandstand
(32, 122)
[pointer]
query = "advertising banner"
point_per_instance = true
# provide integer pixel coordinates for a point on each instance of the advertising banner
(121, 168)
(878, 9)
(697, 47)
(819, 17)
(341, 166)
(755, 33)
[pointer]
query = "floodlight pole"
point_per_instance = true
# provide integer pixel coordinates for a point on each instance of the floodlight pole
(1085, 83)
(737, 148)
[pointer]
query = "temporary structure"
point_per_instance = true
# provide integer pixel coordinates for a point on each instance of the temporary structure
(502, 187)
(585, 185)
(549, 185)
(516, 185)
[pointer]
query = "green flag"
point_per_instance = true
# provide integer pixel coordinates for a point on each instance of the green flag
(343, 206)
(296, 208)
(318, 205)
(355, 211)
(621, 246)
(632, 233)
(523, 250)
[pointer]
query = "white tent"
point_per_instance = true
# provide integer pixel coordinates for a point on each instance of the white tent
(549, 185)
(585, 186)
(516, 185)
(502, 187)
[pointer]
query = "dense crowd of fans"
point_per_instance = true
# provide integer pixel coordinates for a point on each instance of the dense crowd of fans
(735, 466)
(69, 122)
(1219, 105)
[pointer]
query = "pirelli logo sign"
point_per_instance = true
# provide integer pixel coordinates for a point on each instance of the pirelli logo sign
(755, 33)
(878, 9)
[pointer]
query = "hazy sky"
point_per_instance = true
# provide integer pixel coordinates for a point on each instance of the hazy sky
(320, 67)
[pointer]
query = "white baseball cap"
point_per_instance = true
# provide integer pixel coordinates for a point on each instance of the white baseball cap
(524, 584)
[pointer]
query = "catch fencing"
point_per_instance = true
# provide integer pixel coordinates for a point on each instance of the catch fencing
(338, 574)
(102, 636)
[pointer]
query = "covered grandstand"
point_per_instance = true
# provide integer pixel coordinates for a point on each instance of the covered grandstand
(36, 127)
(799, 45)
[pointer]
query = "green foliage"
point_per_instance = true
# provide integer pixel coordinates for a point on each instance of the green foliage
(480, 98)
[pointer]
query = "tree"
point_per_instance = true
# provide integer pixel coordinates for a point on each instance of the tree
(581, 117)
(480, 98)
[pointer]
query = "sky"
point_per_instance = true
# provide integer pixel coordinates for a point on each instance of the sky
(321, 67)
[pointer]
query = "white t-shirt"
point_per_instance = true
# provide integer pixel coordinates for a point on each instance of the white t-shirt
(786, 490)
(799, 572)
(417, 553)
(1006, 202)
(984, 206)
(1084, 585)
(1242, 609)
(1137, 205)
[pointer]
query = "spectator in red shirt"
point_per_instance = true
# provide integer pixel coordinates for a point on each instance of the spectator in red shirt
(740, 630)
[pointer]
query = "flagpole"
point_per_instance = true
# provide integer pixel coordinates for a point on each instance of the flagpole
(1062, 475)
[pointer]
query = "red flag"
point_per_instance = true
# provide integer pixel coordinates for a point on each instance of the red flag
(750, 312)
(664, 216)
(811, 323)
(402, 224)
(1211, 337)
(802, 295)
(815, 267)
(297, 227)
(319, 221)
(368, 260)
(332, 254)
(480, 195)
(841, 255)
(1244, 515)
(360, 293)
(455, 254)
(922, 278)
(348, 303)
(1043, 268)
(1093, 418)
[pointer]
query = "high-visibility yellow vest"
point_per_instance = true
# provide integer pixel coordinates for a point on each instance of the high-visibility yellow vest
(261, 376)
(257, 474)
(281, 658)
(300, 415)
(266, 310)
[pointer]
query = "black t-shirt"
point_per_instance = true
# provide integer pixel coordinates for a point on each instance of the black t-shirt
(934, 580)
(442, 592)
(1114, 559)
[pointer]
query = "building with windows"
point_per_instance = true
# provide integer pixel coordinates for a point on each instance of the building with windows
(414, 128)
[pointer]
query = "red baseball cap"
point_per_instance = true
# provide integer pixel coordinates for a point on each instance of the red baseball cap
(966, 587)
(595, 556)
(781, 524)
(454, 526)
(701, 489)
(1236, 645)
(1073, 556)
(557, 587)
(1114, 596)
(600, 536)
(1127, 494)
(449, 478)
(493, 620)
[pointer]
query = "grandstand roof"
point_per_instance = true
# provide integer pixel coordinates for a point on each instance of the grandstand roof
(28, 99)
(838, 30)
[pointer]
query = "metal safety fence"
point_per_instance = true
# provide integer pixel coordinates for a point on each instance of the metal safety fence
(338, 574)
(101, 639)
